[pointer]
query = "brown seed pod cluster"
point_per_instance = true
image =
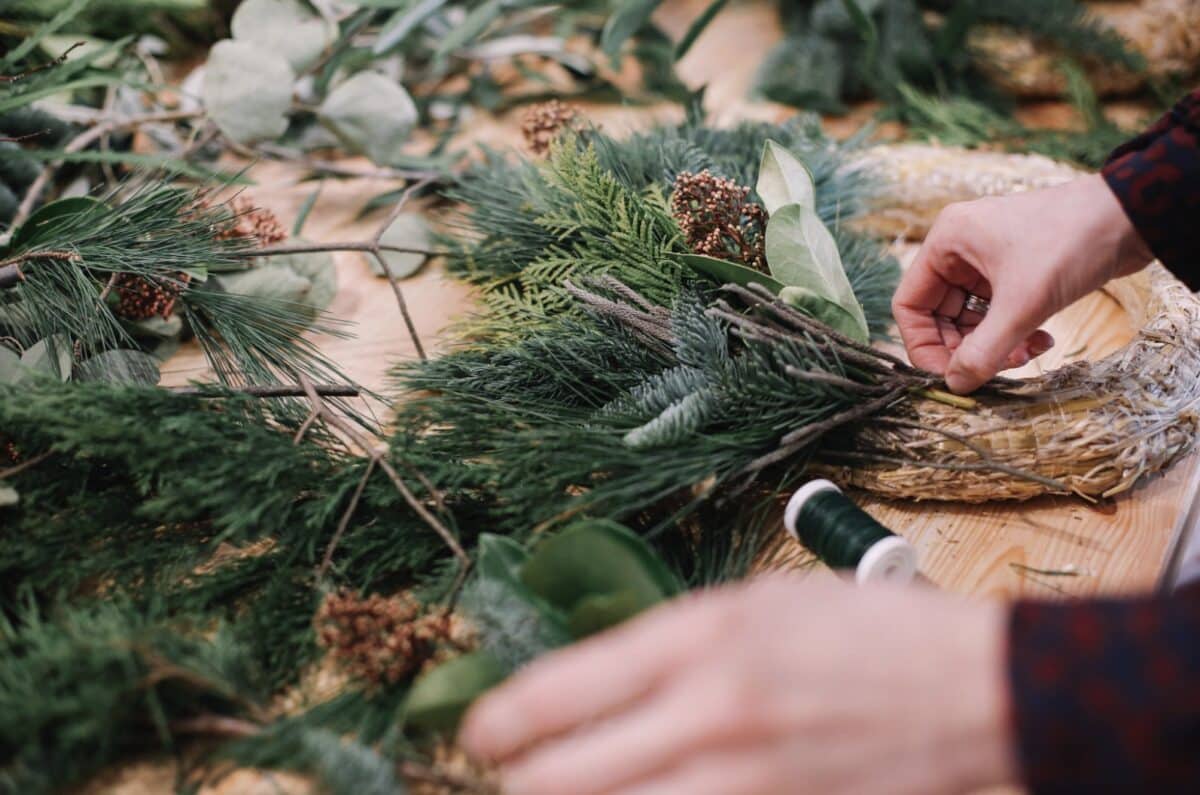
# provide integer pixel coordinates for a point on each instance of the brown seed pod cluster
(139, 298)
(546, 121)
(8, 452)
(382, 639)
(246, 221)
(718, 220)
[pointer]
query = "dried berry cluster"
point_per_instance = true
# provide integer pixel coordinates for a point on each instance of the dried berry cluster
(546, 121)
(139, 298)
(8, 452)
(246, 221)
(381, 639)
(717, 219)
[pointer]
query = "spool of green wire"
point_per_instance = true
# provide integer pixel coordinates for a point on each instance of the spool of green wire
(845, 536)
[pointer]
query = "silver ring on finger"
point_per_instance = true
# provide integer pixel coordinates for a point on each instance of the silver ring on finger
(976, 304)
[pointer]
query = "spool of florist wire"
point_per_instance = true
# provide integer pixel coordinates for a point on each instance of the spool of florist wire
(845, 536)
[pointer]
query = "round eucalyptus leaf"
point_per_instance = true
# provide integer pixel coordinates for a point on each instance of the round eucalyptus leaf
(285, 27)
(370, 115)
(270, 281)
(317, 267)
(10, 366)
(120, 367)
(48, 357)
(409, 230)
(247, 91)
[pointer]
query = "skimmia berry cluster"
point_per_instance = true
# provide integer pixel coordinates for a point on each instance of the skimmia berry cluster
(718, 220)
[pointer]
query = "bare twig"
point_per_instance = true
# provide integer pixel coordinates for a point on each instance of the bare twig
(327, 560)
(355, 436)
(26, 464)
(216, 726)
(59, 61)
(10, 269)
(350, 245)
(280, 391)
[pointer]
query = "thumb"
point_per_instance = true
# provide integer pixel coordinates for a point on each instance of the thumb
(985, 350)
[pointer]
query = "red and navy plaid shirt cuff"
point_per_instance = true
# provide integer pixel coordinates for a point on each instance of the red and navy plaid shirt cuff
(1156, 177)
(1106, 695)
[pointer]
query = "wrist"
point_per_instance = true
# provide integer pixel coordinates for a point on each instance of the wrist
(1113, 226)
(982, 751)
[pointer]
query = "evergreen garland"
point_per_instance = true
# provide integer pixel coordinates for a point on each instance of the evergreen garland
(210, 530)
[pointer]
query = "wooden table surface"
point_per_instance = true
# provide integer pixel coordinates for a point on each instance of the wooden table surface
(971, 549)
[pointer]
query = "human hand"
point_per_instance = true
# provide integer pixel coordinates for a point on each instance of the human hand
(1031, 254)
(779, 687)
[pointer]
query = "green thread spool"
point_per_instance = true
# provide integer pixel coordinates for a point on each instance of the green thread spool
(845, 536)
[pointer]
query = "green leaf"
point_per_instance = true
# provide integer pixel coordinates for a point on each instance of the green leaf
(38, 229)
(627, 20)
(371, 115)
(784, 179)
(9, 498)
(398, 27)
(40, 32)
(306, 209)
(598, 558)
(247, 91)
(315, 266)
(801, 252)
(725, 272)
(120, 367)
(284, 27)
(471, 27)
(697, 27)
(51, 356)
(824, 310)
(597, 613)
(439, 698)
(10, 366)
(500, 557)
(29, 97)
(409, 230)
(271, 281)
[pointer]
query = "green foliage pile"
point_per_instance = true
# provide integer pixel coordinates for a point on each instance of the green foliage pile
(173, 546)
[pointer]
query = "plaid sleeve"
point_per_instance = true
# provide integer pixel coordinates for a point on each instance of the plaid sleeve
(1156, 177)
(1106, 694)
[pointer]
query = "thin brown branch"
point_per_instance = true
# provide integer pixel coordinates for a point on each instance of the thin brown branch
(800, 438)
(24, 465)
(327, 559)
(280, 391)
(216, 726)
(59, 61)
(357, 438)
(10, 269)
(349, 245)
